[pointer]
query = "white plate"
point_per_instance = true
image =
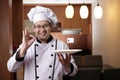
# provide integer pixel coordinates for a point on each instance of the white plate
(71, 51)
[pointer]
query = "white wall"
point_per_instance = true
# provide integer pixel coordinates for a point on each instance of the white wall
(106, 33)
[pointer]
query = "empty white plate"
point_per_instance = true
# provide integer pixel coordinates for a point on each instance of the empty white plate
(71, 51)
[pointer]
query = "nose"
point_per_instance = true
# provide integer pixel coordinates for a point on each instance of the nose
(42, 29)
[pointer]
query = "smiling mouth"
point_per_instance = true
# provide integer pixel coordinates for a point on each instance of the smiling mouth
(43, 34)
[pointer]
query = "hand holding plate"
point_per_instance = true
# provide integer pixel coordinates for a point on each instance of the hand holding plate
(65, 61)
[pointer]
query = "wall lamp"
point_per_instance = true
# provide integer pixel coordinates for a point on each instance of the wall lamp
(98, 12)
(84, 11)
(69, 11)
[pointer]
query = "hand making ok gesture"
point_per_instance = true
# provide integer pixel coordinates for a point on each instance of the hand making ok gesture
(27, 41)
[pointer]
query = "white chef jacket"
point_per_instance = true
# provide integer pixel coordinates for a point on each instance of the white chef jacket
(44, 62)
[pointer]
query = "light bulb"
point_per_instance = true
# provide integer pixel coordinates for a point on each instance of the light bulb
(84, 12)
(69, 12)
(98, 12)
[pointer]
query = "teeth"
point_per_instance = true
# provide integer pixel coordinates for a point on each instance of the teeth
(42, 34)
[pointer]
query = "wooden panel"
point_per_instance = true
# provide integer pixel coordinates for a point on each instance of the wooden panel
(5, 38)
(17, 25)
(17, 21)
(10, 18)
(80, 41)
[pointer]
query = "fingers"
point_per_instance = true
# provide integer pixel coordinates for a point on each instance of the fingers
(27, 39)
(26, 32)
(23, 37)
(61, 58)
(65, 60)
(68, 57)
(26, 35)
(31, 38)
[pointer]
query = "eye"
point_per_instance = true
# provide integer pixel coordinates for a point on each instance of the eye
(37, 26)
(42, 26)
(46, 25)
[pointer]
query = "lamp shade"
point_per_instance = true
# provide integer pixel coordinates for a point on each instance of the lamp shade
(69, 11)
(98, 12)
(84, 12)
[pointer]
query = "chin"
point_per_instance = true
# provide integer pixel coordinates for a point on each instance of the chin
(43, 38)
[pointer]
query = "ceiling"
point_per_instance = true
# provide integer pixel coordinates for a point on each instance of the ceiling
(57, 1)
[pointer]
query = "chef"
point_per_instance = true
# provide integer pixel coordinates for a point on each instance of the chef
(35, 52)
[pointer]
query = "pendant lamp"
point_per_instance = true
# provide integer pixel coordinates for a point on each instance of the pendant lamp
(98, 12)
(69, 11)
(84, 11)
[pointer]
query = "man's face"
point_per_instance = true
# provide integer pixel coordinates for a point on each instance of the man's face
(42, 30)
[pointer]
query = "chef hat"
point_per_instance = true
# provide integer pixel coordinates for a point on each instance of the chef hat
(42, 13)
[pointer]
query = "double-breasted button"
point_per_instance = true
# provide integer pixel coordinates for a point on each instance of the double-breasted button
(52, 45)
(37, 77)
(49, 77)
(51, 54)
(36, 55)
(37, 66)
(50, 66)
